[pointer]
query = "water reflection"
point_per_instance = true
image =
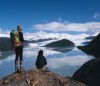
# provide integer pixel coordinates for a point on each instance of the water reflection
(61, 63)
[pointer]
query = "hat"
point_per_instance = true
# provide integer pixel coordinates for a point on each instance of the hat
(19, 27)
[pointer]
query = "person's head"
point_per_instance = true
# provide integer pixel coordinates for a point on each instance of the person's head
(19, 28)
(40, 52)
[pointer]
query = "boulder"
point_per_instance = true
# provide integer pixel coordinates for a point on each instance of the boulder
(89, 73)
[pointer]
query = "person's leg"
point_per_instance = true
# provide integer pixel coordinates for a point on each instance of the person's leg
(16, 59)
(21, 55)
(21, 58)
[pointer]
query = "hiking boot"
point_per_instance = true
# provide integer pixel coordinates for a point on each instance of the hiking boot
(21, 68)
(16, 69)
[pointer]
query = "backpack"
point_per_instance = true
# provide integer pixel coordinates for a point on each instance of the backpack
(14, 39)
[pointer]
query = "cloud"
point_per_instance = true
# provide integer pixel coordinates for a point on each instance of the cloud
(96, 15)
(45, 35)
(77, 39)
(96, 33)
(75, 60)
(4, 33)
(58, 26)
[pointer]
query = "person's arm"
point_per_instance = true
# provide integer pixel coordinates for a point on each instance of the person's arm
(45, 61)
(22, 38)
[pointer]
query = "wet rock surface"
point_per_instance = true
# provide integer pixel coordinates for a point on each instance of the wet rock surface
(37, 78)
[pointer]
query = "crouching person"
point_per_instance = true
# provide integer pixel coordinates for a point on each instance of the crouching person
(41, 61)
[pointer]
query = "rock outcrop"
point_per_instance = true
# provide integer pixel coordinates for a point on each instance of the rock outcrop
(89, 73)
(37, 78)
(93, 48)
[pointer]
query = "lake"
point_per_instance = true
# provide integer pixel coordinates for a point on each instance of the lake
(64, 64)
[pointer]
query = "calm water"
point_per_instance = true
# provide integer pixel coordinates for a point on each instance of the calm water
(61, 63)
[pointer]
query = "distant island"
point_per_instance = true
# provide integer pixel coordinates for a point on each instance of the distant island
(63, 45)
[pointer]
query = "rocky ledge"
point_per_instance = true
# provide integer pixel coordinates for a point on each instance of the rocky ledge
(37, 78)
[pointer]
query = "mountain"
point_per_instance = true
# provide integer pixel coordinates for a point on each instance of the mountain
(37, 78)
(88, 40)
(4, 54)
(5, 44)
(39, 40)
(93, 48)
(63, 45)
(89, 73)
(86, 43)
(91, 37)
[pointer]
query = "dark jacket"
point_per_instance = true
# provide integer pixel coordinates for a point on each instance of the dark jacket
(21, 38)
(40, 62)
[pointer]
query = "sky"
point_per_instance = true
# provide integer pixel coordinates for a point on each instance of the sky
(52, 16)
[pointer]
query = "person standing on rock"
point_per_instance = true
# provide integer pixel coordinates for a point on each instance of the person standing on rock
(41, 61)
(19, 48)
